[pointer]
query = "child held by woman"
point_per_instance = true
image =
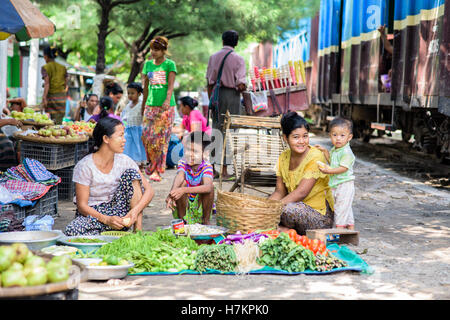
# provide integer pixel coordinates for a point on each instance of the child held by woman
(341, 160)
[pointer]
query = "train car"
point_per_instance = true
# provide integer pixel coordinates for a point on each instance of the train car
(400, 82)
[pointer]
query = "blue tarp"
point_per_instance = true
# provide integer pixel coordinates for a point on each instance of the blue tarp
(329, 23)
(10, 21)
(404, 9)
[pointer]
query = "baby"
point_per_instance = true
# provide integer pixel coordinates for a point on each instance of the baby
(341, 160)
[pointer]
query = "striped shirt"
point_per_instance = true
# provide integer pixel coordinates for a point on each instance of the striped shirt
(194, 178)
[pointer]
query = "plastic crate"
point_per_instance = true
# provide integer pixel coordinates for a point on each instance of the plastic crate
(52, 156)
(81, 150)
(66, 188)
(47, 205)
(19, 212)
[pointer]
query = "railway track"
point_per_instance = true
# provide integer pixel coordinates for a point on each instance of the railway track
(401, 157)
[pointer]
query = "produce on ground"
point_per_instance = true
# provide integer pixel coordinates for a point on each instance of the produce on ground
(327, 263)
(110, 261)
(158, 251)
(283, 253)
(241, 238)
(219, 257)
(247, 252)
(20, 267)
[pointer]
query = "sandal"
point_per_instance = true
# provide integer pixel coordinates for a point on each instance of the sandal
(155, 177)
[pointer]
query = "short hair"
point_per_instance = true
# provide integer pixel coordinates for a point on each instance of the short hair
(341, 122)
(230, 38)
(291, 121)
(199, 137)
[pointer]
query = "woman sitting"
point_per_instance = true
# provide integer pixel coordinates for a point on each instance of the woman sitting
(111, 193)
(301, 186)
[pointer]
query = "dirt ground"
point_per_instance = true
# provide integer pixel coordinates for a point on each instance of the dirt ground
(404, 230)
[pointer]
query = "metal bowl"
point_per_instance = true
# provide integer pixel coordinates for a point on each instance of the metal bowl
(35, 240)
(104, 272)
(87, 247)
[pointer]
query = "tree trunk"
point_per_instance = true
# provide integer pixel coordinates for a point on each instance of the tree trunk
(137, 62)
(101, 38)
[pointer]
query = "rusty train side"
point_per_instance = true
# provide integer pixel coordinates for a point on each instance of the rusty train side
(353, 74)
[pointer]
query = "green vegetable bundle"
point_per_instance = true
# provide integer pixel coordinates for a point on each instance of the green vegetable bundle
(158, 251)
(283, 253)
(218, 257)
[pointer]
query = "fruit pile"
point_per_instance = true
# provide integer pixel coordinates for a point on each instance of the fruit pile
(28, 114)
(56, 132)
(81, 126)
(19, 267)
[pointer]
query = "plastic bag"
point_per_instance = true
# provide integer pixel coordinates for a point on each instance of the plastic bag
(33, 223)
(259, 101)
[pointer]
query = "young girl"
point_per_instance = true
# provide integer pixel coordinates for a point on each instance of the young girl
(193, 120)
(192, 195)
(158, 106)
(341, 160)
(132, 119)
(106, 110)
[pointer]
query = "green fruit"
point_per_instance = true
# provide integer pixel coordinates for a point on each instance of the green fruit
(11, 278)
(16, 266)
(111, 260)
(34, 261)
(123, 262)
(7, 256)
(36, 276)
(62, 260)
(21, 252)
(28, 110)
(57, 272)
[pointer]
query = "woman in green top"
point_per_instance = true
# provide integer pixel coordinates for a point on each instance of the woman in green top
(55, 86)
(158, 106)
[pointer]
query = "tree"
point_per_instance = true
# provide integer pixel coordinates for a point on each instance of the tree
(264, 20)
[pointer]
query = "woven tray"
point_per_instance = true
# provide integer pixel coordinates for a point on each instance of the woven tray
(19, 136)
(242, 212)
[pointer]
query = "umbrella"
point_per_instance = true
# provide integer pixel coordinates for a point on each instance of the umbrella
(24, 20)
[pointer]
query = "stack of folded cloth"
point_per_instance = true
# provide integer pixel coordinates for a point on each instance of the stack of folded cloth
(27, 182)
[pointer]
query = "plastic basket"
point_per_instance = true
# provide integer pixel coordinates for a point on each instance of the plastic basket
(81, 150)
(47, 205)
(52, 156)
(66, 188)
(19, 212)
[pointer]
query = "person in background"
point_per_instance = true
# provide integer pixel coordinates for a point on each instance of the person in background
(233, 82)
(8, 155)
(86, 107)
(55, 78)
(341, 160)
(193, 120)
(158, 106)
(205, 102)
(132, 119)
(385, 70)
(191, 197)
(106, 110)
(115, 92)
(110, 191)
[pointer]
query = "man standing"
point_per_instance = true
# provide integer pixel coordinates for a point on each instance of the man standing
(232, 81)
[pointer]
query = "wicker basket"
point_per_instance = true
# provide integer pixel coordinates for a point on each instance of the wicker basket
(242, 212)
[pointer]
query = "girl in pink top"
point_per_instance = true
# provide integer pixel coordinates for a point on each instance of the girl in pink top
(193, 120)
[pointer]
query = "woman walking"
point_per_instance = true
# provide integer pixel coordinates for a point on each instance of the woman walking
(158, 106)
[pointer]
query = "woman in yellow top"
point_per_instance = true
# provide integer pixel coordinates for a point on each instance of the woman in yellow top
(302, 188)
(55, 86)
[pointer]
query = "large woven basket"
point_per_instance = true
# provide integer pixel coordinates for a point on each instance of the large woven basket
(242, 212)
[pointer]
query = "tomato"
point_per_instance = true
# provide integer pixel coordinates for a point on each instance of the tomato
(314, 248)
(322, 247)
(292, 234)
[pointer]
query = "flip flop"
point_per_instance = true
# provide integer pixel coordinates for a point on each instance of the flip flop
(155, 177)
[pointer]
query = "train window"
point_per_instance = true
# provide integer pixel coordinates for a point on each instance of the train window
(386, 49)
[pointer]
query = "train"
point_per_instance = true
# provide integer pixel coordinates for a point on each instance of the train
(384, 64)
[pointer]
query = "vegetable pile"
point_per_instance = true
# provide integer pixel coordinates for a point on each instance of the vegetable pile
(158, 251)
(240, 238)
(283, 253)
(217, 257)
